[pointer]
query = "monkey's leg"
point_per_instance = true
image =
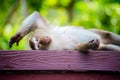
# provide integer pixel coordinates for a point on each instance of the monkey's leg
(109, 47)
(31, 23)
(107, 37)
(84, 47)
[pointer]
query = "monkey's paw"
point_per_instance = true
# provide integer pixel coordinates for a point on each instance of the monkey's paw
(45, 40)
(93, 44)
(15, 39)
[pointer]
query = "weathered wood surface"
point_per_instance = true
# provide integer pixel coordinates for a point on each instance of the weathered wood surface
(60, 60)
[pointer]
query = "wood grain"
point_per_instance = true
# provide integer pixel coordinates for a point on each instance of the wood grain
(60, 60)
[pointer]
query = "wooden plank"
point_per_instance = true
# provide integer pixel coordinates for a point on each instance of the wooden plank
(63, 76)
(60, 60)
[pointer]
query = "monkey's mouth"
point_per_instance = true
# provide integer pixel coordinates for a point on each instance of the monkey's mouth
(45, 40)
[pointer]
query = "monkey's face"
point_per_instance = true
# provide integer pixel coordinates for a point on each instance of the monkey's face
(40, 42)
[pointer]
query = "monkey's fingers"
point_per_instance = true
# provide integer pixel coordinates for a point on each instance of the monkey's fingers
(93, 44)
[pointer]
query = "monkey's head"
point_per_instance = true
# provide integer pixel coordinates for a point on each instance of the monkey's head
(40, 42)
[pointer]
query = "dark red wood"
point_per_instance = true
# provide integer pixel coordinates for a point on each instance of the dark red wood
(64, 76)
(60, 60)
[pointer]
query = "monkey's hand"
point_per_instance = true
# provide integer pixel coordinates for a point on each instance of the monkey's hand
(15, 39)
(85, 46)
(93, 44)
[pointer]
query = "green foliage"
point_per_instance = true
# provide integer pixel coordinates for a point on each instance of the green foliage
(101, 14)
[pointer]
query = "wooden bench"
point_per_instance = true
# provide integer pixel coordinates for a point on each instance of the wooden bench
(59, 65)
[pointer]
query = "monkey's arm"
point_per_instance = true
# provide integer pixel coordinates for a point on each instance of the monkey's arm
(109, 47)
(85, 46)
(31, 23)
(107, 37)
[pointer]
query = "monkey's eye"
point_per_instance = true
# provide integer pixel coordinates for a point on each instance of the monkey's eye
(36, 39)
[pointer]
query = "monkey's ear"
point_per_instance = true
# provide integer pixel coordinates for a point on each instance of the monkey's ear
(31, 23)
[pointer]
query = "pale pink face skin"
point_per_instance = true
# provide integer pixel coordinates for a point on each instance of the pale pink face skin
(45, 40)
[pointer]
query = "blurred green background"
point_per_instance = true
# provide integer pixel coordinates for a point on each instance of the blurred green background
(101, 14)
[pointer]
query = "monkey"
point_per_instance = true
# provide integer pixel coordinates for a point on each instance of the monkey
(47, 37)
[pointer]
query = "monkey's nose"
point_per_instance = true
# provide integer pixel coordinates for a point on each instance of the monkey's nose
(45, 40)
